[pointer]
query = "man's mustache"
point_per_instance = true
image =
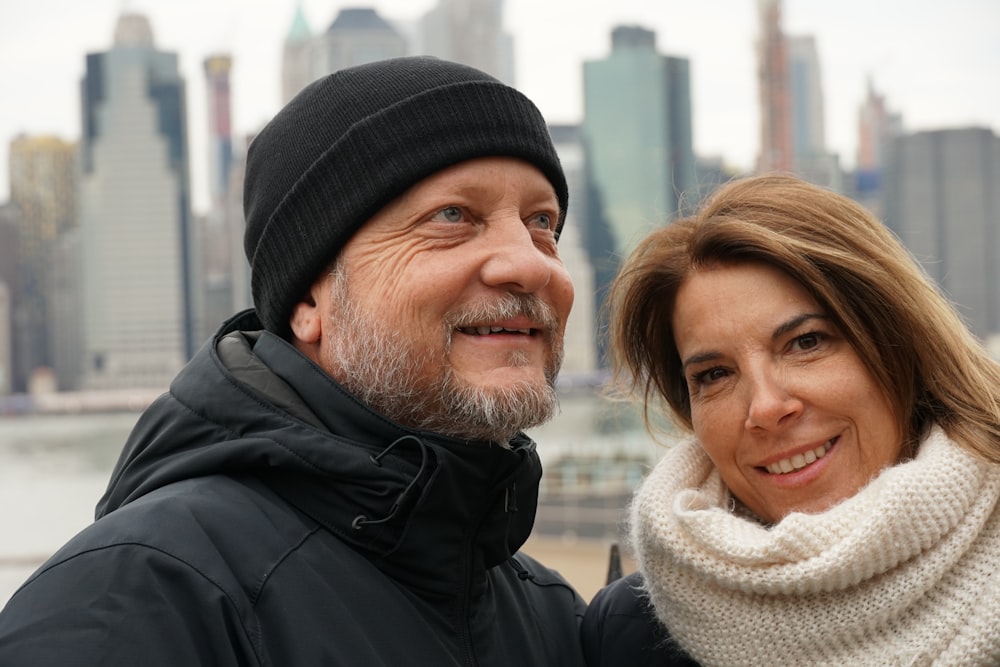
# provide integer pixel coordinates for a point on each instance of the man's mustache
(506, 307)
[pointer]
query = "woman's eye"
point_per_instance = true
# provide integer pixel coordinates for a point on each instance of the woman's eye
(808, 341)
(449, 214)
(708, 376)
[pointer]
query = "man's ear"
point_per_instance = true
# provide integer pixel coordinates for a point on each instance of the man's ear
(306, 321)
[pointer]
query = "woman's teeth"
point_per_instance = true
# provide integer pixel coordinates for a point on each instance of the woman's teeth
(799, 461)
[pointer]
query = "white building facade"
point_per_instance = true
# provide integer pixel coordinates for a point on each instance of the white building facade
(137, 247)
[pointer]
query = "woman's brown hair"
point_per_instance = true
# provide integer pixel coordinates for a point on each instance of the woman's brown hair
(908, 335)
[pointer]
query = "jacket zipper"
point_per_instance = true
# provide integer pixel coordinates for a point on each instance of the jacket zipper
(465, 607)
(465, 595)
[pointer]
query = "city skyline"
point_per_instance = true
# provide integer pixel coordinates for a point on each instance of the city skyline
(936, 64)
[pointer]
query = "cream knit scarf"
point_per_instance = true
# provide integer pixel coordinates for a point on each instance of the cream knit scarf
(903, 573)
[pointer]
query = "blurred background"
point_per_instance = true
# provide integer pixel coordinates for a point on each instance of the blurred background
(124, 126)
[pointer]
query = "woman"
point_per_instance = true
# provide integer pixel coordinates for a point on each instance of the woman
(836, 503)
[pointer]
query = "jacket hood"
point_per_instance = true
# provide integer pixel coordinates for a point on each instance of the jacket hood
(250, 404)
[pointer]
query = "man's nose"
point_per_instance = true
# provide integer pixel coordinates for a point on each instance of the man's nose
(514, 260)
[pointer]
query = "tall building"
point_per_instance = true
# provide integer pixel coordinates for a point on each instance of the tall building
(9, 270)
(216, 226)
(356, 36)
(806, 95)
(138, 256)
(466, 31)
(774, 82)
(220, 135)
(6, 357)
(877, 127)
(295, 56)
(240, 296)
(638, 134)
(943, 201)
(43, 189)
(581, 349)
(793, 127)
(469, 32)
(66, 311)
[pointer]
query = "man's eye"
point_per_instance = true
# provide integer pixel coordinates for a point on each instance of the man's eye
(543, 221)
(449, 214)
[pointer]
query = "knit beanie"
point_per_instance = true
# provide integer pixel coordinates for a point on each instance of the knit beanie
(353, 141)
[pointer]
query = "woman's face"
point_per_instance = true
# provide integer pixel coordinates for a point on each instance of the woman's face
(780, 401)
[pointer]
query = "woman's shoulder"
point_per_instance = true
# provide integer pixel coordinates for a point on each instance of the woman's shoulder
(621, 628)
(623, 597)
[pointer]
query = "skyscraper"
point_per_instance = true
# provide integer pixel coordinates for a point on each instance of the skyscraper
(220, 135)
(43, 189)
(216, 227)
(638, 134)
(877, 127)
(66, 310)
(793, 126)
(806, 95)
(295, 56)
(943, 200)
(6, 358)
(581, 350)
(138, 259)
(812, 161)
(240, 296)
(469, 32)
(773, 83)
(8, 285)
(355, 37)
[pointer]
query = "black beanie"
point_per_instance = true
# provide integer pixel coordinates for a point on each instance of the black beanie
(353, 141)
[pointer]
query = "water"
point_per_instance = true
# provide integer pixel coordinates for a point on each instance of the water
(53, 470)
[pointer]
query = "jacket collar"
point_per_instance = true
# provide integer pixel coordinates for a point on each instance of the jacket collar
(428, 509)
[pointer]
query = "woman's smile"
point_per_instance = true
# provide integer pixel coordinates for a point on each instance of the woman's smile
(800, 461)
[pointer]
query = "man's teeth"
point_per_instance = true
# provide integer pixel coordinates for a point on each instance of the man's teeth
(485, 331)
(799, 461)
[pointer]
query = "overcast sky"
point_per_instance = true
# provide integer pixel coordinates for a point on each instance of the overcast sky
(938, 63)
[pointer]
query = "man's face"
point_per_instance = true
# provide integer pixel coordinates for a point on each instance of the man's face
(448, 308)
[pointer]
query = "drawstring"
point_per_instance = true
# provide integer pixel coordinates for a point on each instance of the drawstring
(522, 573)
(361, 521)
(510, 498)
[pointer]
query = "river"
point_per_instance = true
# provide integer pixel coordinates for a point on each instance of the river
(54, 469)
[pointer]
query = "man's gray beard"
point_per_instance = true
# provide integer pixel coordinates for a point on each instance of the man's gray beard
(383, 369)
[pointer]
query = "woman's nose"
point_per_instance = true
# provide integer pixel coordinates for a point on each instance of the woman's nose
(771, 404)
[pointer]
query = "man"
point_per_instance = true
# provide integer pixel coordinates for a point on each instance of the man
(344, 481)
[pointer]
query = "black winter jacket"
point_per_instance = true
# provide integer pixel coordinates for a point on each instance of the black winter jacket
(260, 515)
(621, 628)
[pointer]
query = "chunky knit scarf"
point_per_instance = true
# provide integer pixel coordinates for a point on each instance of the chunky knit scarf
(906, 572)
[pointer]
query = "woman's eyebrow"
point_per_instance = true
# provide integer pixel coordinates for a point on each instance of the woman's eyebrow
(795, 322)
(782, 329)
(701, 357)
